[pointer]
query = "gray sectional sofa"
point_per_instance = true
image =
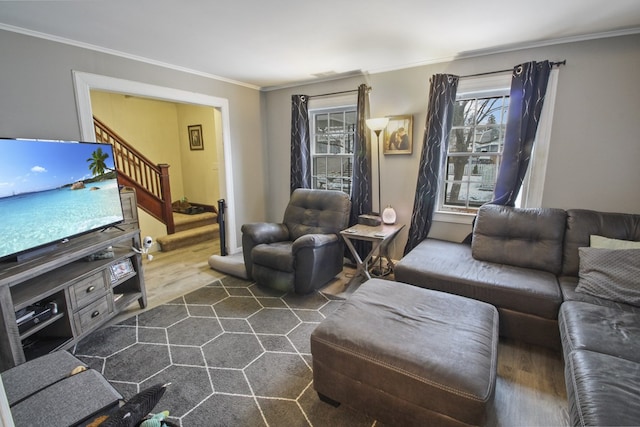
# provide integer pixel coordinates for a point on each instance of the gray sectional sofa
(526, 262)
(48, 391)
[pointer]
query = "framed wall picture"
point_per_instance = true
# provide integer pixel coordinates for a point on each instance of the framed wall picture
(195, 137)
(398, 136)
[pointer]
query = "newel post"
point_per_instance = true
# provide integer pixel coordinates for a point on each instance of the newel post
(165, 188)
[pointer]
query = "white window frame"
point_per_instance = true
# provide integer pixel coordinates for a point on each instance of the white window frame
(325, 105)
(533, 185)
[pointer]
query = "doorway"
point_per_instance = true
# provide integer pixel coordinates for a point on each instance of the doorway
(86, 82)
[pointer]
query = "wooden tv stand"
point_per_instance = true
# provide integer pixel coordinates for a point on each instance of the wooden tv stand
(87, 293)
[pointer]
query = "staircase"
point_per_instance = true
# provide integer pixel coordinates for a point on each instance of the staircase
(151, 183)
(190, 229)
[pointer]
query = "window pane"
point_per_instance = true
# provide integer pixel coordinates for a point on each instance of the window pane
(319, 173)
(479, 126)
(320, 165)
(350, 135)
(482, 184)
(461, 112)
(489, 111)
(336, 122)
(333, 137)
(460, 140)
(320, 139)
(458, 167)
(334, 167)
(347, 167)
(456, 193)
(321, 145)
(321, 122)
(351, 119)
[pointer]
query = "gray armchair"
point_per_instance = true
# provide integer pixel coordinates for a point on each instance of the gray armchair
(305, 251)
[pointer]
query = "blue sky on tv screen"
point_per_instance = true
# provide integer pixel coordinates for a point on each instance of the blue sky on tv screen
(28, 166)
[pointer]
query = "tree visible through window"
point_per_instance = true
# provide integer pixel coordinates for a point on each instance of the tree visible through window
(474, 152)
(332, 144)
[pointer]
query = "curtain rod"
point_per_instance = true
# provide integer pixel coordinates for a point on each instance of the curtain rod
(553, 64)
(337, 93)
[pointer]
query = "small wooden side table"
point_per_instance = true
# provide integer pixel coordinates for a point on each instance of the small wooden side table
(380, 236)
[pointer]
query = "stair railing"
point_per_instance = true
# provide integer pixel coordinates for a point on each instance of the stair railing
(151, 181)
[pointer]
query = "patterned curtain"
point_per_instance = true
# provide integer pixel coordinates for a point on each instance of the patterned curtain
(300, 143)
(361, 174)
(528, 88)
(436, 136)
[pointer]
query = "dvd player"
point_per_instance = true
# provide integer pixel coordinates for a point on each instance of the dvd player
(34, 314)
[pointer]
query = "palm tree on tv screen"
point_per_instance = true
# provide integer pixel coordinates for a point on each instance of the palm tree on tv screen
(97, 163)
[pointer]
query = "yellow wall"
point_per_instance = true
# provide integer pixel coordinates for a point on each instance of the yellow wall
(200, 167)
(158, 129)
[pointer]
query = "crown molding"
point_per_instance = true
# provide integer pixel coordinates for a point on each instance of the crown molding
(125, 55)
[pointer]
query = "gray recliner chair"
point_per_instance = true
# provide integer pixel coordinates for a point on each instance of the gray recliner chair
(305, 251)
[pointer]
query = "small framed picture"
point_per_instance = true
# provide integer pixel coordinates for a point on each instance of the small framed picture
(120, 269)
(195, 137)
(398, 136)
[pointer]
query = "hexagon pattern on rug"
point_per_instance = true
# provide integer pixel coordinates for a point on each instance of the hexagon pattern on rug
(235, 355)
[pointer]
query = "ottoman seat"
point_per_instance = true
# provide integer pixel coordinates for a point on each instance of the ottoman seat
(408, 356)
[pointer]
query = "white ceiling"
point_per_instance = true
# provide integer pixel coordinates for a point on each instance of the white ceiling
(275, 43)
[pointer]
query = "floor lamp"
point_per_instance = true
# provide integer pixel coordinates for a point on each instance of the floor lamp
(378, 125)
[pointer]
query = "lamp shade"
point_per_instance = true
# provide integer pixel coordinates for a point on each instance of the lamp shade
(389, 215)
(377, 124)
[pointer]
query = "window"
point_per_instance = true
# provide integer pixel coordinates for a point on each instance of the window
(474, 152)
(333, 132)
(475, 148)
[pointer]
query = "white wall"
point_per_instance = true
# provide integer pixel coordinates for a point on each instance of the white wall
(37, 101)
(594, 144)
(594, 153)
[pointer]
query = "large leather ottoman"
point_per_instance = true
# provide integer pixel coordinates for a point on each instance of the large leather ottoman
(408, 356)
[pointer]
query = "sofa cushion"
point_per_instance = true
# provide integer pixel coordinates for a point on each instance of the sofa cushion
(610, 273)
(606, 243)
(28, 378)
(568, 285)
(581, 224)
(585, 326)
(67, 402)
(529, 238)
(450, 267)
(602, 390)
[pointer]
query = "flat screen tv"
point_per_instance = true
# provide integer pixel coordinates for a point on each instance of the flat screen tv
(52, 191)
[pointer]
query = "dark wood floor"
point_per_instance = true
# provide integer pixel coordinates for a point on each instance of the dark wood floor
(530, 389)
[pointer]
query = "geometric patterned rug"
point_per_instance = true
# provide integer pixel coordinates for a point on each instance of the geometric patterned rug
(235, 355)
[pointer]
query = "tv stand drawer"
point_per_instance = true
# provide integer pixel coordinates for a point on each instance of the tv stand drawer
(94, 314)
(88, 289)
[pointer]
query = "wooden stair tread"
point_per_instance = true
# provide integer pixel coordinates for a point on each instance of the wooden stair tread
(180, 219)
(184, 222)
(188, 237)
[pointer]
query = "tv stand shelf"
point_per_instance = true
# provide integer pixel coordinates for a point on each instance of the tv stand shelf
(86, 293)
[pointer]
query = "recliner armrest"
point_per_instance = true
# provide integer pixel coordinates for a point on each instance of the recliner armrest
(265, 232)
(257, 233)
(314, 241)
